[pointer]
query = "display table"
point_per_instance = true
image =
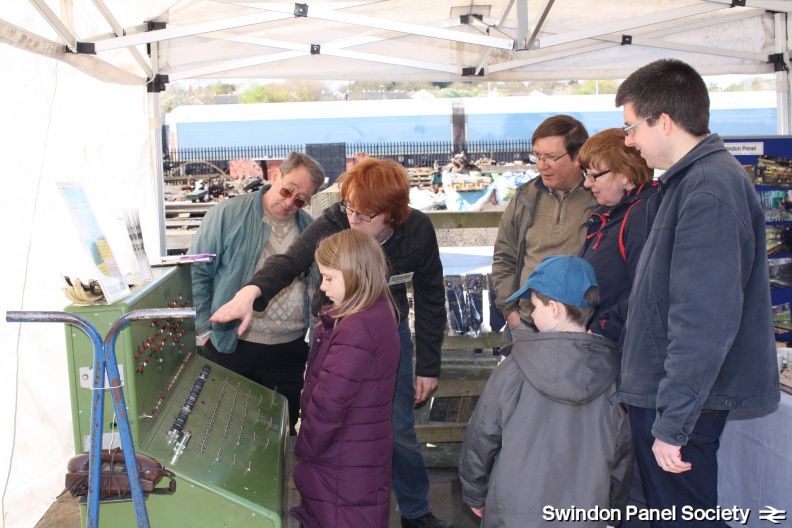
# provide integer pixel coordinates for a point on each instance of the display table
(462, 260)
(755, 462)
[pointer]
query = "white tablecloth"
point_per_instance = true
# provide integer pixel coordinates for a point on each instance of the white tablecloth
(755, 462)
(463, 260)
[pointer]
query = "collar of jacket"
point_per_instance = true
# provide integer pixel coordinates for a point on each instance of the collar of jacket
(325, 315)
(642, 192)
(603, 214)
(583, 365)
(260, 199)
(637, 192)
(710, 144)
(539, 183)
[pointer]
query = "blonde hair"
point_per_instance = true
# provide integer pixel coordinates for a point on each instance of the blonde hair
(363, 266)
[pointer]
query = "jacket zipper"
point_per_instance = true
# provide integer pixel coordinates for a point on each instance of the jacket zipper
(254, 259)
(560, 205)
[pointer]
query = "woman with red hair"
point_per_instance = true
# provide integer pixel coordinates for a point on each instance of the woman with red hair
(375, 197)
(620, 180)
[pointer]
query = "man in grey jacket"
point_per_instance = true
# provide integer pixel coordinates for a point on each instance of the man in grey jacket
(699, 334)
(547, 216)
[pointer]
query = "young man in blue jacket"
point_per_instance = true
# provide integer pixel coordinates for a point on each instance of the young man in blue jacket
(699, 334)
(242, 232)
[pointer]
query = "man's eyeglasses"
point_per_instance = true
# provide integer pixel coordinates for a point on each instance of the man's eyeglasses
(628, 128)
(363, 217)
(592, 176)
(549, 160)
(287, 193)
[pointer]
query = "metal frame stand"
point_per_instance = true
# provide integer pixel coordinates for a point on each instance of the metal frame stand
(105, 362)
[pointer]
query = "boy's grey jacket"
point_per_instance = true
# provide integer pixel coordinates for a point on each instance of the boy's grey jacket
(699, 333)
(547, 431)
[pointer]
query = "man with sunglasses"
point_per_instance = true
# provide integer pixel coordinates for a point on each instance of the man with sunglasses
(547, 216)
(699, 339)
(242, 232)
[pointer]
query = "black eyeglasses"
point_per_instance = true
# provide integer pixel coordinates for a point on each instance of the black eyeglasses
(592, 176)
(287, 193)
(363, 217)
(535, 158)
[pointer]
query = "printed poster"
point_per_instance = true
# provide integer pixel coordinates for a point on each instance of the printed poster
(110, 277)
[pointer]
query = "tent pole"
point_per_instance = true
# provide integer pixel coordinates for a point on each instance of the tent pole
(155, 140)
(782, 76)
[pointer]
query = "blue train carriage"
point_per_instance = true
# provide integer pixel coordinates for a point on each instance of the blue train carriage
(428, 120)
(212, 126)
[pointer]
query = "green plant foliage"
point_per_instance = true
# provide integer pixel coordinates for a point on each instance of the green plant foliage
(751, 84)
(457, 92)
(263, 93)
(595, 87)
(222, 89)
(175, 96)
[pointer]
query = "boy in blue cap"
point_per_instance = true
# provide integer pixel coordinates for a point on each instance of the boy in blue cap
(548, 441)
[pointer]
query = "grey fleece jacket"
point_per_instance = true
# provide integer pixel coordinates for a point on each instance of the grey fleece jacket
(548, 432)
(537, 223)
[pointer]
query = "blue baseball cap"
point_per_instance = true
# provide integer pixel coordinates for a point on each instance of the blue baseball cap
(563, 278)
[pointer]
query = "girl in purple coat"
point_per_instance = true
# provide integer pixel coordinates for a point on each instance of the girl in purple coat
(345, 441)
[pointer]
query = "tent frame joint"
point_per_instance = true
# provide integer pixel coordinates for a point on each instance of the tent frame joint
(157, 83)
(738, 3)
(300, 10)
(471, 72)
(465, 19)
(777, 60)
(626, 40)
(316, 49)
(86, 48)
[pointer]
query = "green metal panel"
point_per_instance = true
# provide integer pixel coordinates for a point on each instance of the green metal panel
(148, 353)
(238, 438)
(190, 506)
(231, 471)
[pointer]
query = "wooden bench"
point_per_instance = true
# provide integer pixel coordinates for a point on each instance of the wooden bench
(441, 422)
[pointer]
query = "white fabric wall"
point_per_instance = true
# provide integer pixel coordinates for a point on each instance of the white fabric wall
(58, 124)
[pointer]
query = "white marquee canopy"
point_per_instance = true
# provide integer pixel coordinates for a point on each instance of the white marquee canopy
(503, 40)
(80, 103)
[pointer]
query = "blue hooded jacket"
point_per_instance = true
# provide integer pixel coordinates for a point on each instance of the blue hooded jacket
(614, 241)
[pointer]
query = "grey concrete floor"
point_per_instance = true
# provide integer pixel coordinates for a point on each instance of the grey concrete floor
(445, 499)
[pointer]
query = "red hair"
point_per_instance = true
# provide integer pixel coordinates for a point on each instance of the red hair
(378, 186)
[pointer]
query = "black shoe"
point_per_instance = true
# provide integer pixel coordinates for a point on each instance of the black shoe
(427, 520)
